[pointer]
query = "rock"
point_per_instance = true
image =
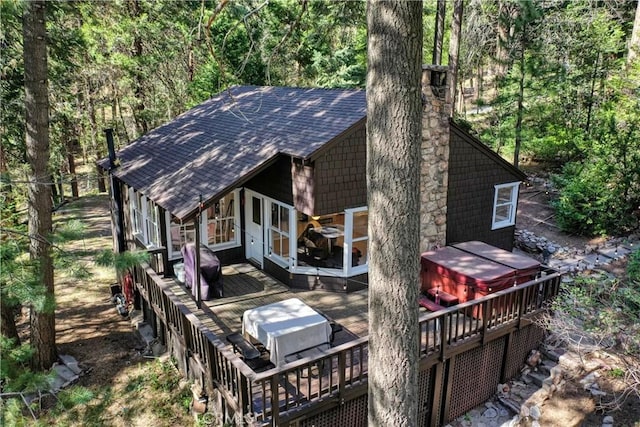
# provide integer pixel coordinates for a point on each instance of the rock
(515, 421)
(510, 404)
(490, 413)
(596, 392)
(534, 358)
(503, 389)
(535, 412)
(71, 363)
(607, 421)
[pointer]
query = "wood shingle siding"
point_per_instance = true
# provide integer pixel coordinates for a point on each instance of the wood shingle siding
(474, 170)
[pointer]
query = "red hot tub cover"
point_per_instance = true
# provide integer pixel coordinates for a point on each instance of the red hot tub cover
(463, 274)
(526, 268)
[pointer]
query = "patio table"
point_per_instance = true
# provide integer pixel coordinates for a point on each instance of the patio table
(331, 232)
(286, 327)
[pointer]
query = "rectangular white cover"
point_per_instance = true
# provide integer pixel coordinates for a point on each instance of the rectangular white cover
(286, 327)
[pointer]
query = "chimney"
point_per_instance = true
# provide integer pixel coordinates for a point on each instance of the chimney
(111, 147)
(117, 213)
(434, 171)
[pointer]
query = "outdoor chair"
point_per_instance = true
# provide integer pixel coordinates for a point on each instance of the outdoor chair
(243, 346)
(250, 354)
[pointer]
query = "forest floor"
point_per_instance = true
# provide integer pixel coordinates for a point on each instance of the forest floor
(128, 388)
(124, 386)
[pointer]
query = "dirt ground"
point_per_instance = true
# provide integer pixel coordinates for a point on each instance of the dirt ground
(125, 385)
(90, 329)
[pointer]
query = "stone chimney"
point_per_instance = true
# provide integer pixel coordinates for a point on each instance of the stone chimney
(434, 174)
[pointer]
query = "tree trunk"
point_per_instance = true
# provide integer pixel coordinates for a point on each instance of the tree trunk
(74, 178)
(454, 50)
(502, 51)
(634, 43)
(43, 330)
(138, 78)
(438, 35)
(520, 111)
(394, 127)
(8, 322)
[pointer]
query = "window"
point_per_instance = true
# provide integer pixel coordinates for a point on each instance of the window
(219, 227)
(181, 234)
(279, 231)
(504, 205)
(152, 224)
(360, 238)
(145, 223)
(335, 244)
(221, 220)
(135, 204)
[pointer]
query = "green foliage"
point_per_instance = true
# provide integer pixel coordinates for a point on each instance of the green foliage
(123, 261)
(600, 194)
(15, 373)
(617, 373)
(68, 398)
(19, 280)
(633, 266)
(584, 207)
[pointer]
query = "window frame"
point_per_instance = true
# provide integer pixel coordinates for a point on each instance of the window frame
(349, 242)
(136, 210)
(284, 261)
(235, 220)
(510, 219)
(347, 269)
(152, 224)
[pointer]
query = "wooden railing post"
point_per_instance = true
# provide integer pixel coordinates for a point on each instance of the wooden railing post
(342, 368)
(275, 401)
(446, 319)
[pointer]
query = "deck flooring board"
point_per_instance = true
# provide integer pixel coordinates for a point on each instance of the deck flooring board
(246, 287)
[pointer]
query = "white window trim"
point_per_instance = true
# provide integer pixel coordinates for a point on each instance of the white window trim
(513, 203)
(146, 220)
(236, 224)
(281, 261)
(149, 222)
(170, 252)
(347, 270)
(203, 231)
(349, 243)
(133, 210)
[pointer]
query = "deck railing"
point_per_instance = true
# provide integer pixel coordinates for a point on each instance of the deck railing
(280, 394)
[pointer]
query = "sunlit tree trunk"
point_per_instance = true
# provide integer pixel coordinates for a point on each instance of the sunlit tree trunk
(438, 35)
(454, 50)
(43, 330)
(634, 43)
(393, 161)
(140, 93)
(520, 110)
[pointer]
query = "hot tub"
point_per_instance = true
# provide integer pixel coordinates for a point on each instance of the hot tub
(462, 274)
(526, 268)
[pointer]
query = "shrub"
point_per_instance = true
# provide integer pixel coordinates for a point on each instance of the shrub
(633, 266)
(591, 201)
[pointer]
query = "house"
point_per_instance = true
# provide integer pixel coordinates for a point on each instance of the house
(277, 176)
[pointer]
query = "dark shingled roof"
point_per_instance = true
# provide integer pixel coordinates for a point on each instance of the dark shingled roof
(219, 144)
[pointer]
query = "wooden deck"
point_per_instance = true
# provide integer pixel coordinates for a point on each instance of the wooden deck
(475, 329)
(246, 287)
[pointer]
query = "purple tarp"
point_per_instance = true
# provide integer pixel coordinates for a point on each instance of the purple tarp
(210, 271)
